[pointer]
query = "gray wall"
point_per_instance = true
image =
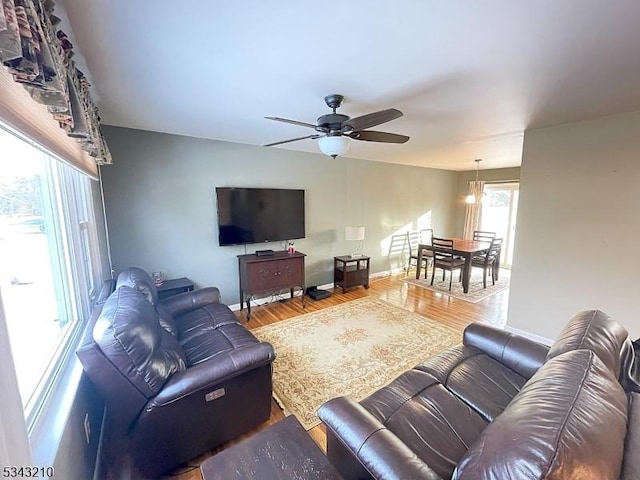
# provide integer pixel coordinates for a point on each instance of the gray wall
(161, 209)
(578, 225)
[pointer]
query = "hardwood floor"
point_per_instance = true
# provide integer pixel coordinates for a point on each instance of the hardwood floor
(447, 310)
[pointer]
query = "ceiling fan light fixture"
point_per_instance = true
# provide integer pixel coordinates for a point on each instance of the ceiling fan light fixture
(335, 131)
(334, 145)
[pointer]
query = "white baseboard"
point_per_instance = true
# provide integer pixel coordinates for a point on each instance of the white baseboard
(268, 299)
(264, 300)
(386, 273)
(529, 335)
(297, 293)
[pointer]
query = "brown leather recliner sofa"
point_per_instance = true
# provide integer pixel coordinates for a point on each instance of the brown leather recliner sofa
(179, 376)
(500, 406)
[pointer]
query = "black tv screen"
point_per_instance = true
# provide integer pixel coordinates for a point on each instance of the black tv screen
(257, 215)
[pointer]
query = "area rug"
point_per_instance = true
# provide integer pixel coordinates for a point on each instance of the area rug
(350, 349)
(476, 291)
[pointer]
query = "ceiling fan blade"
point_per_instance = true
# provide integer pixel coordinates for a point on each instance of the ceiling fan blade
(292, 140)
(373, 136)
(372, 119)
(294, 122)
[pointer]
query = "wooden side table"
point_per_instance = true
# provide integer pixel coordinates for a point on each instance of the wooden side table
(283, 451)
(350, 271)
(174, 286)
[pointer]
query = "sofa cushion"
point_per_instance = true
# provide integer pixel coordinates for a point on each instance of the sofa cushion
(482, 382)
(435, 424)
(568, 421)
(129, 334)
(166, 319)
(211, 330)
(204, 344)
(596, 331)
(204, 319)
(513, 351)
(140, 280)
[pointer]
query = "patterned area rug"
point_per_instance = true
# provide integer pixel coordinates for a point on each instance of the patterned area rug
(351, 349)
(476, 292)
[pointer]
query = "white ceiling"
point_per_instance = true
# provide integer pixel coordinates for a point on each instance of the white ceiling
(470, 76)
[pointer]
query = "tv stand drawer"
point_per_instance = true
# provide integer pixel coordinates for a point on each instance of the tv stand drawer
(274, 275)
(259, 274)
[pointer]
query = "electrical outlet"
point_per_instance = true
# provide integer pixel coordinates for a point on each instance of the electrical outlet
(87, 428)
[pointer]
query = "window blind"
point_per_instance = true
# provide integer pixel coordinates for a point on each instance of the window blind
(33, 120)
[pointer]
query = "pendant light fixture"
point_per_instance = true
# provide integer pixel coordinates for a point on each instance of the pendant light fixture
(471, 198)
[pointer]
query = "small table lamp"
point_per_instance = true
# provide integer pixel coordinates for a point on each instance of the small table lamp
(355, 233)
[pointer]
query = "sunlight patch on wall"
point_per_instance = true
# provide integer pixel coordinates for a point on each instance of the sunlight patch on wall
(424, 221)
(395, 247)
(394, 243)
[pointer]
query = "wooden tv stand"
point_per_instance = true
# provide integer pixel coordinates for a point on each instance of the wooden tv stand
(259, 274)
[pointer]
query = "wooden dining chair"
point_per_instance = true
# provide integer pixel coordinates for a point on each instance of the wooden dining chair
(415, 238)
(488, 260)
(483, 236)
(444, 259)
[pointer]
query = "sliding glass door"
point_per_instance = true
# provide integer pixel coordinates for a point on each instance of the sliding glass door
(498, 214)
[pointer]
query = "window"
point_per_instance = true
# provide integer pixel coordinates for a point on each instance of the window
(49, 262)
(499, 211)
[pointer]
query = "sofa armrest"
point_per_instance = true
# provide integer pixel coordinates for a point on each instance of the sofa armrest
(187, 301)
(516, 352)
(214, 371)
(377, 449)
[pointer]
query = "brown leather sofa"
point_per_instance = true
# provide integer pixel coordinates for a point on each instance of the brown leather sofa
(179, 376)
(499, 406)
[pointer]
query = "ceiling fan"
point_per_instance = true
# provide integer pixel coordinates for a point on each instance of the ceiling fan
(336, 130)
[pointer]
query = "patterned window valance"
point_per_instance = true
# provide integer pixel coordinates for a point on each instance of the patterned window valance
(39, 56)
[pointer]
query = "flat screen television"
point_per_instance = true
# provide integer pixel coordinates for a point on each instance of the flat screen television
(257, 215)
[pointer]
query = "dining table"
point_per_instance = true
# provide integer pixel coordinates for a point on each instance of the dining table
(466, 249)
